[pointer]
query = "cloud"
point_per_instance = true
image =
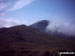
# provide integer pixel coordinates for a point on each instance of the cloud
(11, 5)
(3, 6)
(20, 4)
(8, 22)
(66, 27)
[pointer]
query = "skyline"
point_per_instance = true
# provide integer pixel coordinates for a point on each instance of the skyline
(60, 13)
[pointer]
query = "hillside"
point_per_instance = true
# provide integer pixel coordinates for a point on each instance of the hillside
(24, 38)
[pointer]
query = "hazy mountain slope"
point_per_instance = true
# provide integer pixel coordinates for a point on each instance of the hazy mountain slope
(25, 38)
(40, 25)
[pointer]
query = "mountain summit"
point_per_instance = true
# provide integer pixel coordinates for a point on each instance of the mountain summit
(40, 25)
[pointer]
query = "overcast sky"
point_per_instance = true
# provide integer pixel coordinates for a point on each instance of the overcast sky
(61, 13)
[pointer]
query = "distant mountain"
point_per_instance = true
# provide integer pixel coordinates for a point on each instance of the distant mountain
(40, 25)
(23, 38)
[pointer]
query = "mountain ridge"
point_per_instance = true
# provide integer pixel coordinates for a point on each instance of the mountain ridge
(22, 37)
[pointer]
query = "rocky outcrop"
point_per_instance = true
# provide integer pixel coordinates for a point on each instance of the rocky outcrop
(40, 25)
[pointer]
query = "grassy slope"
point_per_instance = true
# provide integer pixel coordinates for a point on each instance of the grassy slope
(33, 40)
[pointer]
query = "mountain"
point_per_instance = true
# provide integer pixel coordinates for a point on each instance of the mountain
(40, 25)
(23, 39)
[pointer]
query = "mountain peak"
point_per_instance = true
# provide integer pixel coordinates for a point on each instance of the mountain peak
(40, 25)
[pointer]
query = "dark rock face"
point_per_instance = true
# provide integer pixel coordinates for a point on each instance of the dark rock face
(41, 25)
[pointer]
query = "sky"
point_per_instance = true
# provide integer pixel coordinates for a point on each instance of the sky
(60, 13)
